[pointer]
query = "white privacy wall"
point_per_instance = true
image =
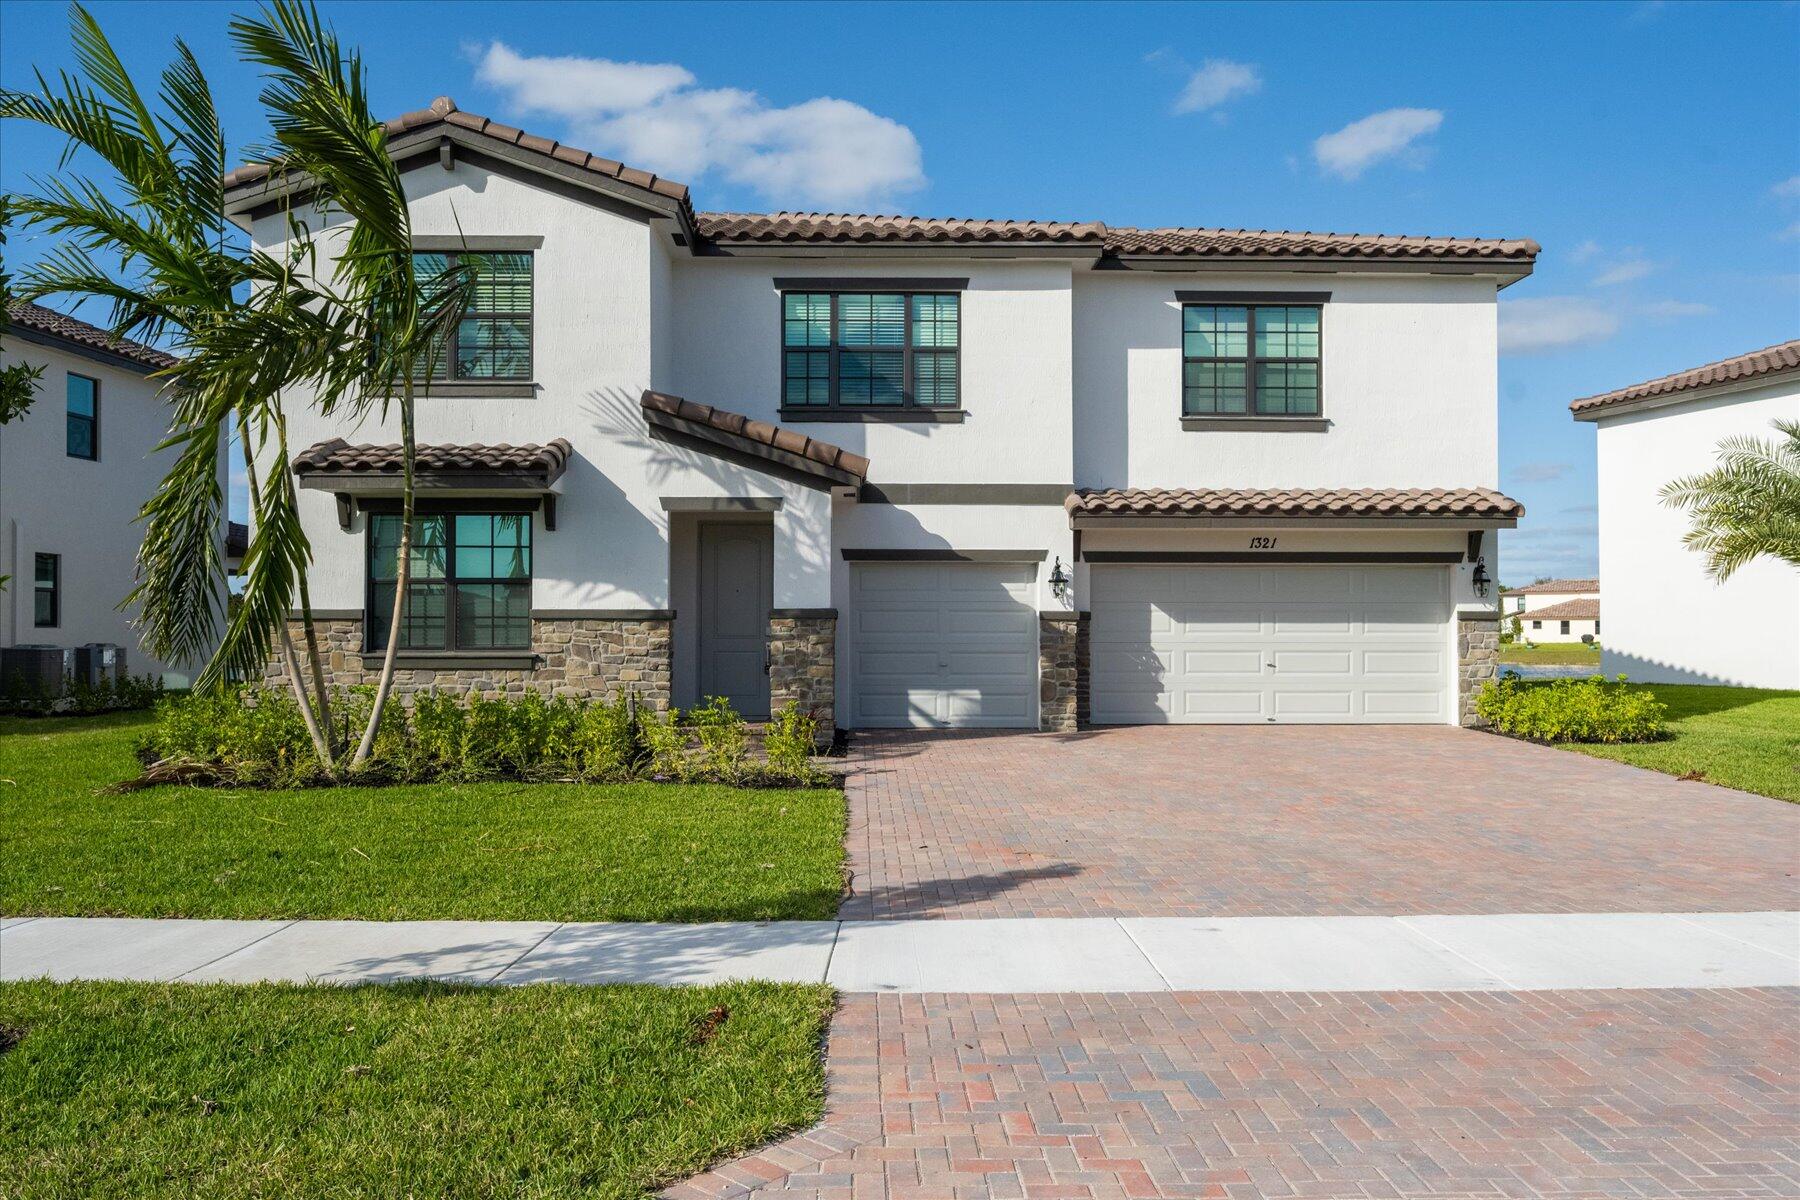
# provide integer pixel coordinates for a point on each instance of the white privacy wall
(1664, 620)
(86, 512)
(1410, 386)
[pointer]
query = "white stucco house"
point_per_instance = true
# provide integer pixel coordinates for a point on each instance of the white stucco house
(1666, 620)
(920, 472)
(74, 472)
(1555, 610)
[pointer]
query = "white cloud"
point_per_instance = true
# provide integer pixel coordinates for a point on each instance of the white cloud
(1586, 251)
(823, 151)
(1787, 189)
(1383, 135)
(1549, 323)
(1545, 472)
(1626, 270)
(1216, 81)
(1672, 310)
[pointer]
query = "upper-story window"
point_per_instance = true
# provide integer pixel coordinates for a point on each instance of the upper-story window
(1250, 360)
(46, 591)
(83, 436)
(864, 351)
(493, 340)
(470, 584)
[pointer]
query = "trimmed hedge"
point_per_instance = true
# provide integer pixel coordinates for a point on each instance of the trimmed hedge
(257, 737)
(1572, 710)
(80, 699)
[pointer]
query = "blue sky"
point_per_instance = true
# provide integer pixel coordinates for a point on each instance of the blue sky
(1653, 149)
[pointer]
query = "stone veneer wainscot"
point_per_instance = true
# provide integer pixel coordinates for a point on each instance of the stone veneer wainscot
(1478, 658)
(803, 663)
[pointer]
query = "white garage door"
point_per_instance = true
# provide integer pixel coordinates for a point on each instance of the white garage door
(1324, 644)
(943, 644)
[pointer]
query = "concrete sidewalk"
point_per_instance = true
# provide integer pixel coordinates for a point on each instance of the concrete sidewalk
(1241, 954)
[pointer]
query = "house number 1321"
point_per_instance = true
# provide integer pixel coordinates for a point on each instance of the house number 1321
(1259, 543)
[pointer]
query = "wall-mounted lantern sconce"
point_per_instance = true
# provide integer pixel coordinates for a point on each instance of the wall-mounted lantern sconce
(1060, 581)
(1480, 578)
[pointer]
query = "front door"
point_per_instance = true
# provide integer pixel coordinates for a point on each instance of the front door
(736, 594)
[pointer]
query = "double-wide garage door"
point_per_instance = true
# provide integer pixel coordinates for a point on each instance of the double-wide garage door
(1301, 644)
(943, 644)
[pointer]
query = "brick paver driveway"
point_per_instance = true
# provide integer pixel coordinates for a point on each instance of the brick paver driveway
(1247, 821)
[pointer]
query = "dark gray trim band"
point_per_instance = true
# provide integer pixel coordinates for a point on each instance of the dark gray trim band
(855, 283)
(945, 555)
(603, 614)
(803, 614)
(1490, 616)
(1060, 617)
(494, 504)
(1233, 557)
(874, 416)
(1204, 297)
(476, 389)
(1256, 424)
(477, 242)
(715, 504)
(329, 614)
(966, 493)
(458, 661)
(38, 337)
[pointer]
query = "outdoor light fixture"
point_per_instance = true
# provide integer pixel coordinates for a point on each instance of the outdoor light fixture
(1480, 578)
(1059, 581)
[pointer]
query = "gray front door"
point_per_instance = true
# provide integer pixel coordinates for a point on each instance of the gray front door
(736, 593)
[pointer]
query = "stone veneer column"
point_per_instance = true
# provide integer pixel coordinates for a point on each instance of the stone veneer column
(803, 663)
(576, 655)
(1478, 657)
(1062, 671)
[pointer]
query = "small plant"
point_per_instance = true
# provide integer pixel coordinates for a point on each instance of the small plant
(79, 698)
(789, 743)
(1572, 710)
(723, 737)
(665, 744)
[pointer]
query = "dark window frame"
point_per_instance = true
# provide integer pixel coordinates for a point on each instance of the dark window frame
(54, 590)
(909, 404)
(446, 371)
(93, 421)
(1251, 360)
(449, 580)
(1565, 628)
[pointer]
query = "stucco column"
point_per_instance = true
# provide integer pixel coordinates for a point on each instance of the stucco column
(803, 664)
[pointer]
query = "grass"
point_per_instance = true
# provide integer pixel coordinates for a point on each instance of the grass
(230, 1092)
(496, 851)
(1551, 654)
(1745, 738)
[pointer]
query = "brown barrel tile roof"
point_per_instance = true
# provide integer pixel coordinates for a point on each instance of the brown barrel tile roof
(26, 315)
(1557, 587)
(1768, 361)
(1568, 610)
(854, 228)
(1295, 502)
(1282, 243)
(443, 110)
(544, 463)
(761, 433)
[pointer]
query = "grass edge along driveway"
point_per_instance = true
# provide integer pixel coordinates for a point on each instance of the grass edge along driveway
(115, 1090)
(491, 851)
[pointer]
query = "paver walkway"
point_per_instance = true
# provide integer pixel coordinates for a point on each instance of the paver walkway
(1480, 1094)
(1222, 820)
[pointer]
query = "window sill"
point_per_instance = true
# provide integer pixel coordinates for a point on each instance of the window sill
(1256, 424)
(476, 388)
(876, 416)
(452, 660)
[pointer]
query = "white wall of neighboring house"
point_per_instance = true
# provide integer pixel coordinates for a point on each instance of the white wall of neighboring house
(1551, 629)
(85, 512)
(1666, 621)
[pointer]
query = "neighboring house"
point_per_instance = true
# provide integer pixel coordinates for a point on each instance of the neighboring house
(924, 472)
(74, 472)
(1556, 610)
(1667, 621)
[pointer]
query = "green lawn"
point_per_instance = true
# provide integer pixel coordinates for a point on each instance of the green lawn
(1746, 738)
(1558, 654)
(496, 851)
(229, 1092)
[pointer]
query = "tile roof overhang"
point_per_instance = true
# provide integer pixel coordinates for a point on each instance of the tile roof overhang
(338, 466)
(46, 327)
(1448, 507)
(1557, 587)
(1568, 610)
(1728, 374)
(764, 446)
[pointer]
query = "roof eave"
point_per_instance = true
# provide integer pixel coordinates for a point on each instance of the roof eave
(1506, 271)
(1710, 391)
(1140, 520)
(1071, 251)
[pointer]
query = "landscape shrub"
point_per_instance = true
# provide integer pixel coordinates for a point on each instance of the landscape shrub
(1572, 710)
(80, 699)
(257, 737)
(789, 742)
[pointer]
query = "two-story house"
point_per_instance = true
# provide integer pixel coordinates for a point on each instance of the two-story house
(919, 472)
(1556, 610)
(74, 472)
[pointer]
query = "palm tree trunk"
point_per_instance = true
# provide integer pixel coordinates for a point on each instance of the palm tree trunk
(290, 661)
(402, 576)
(316, 664)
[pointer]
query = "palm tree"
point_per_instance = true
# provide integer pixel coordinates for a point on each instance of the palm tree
(1746, 506)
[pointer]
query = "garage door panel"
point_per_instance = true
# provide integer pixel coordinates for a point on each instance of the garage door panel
(877, 621)
(1346, 643)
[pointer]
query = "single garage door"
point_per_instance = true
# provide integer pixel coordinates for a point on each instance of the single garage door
(1300, 644)
(940, 645)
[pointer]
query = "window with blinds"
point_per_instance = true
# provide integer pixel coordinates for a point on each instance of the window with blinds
(870, 350)
(469, 586)
(493, 340)
(1250, 360)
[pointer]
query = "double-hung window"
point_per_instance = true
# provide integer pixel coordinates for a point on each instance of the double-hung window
(869, 351)
(46, 591)
(83, 435)
(493, 339)
(470, 587)
(1250, 360)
